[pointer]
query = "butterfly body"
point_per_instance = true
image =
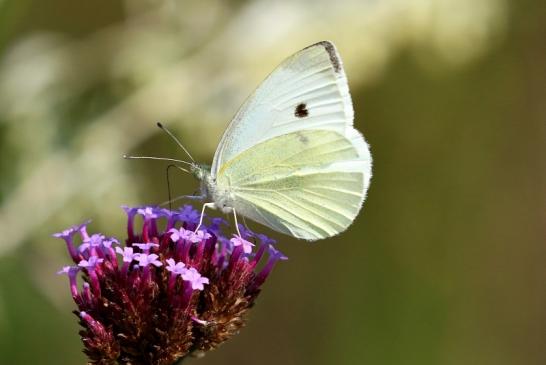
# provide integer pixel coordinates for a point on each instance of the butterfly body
(220, 196)
(291, 158)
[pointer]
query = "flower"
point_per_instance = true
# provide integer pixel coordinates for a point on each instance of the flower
(68, 234)
(145, 259)
(164, 293)
(201, 236)
(145, 246)
(71, 271)
(195, 279)
(240, 241)
(91, 263)
(126, 253)
(188, 214)
(216, 224)
(147, 212)
(181, 234)
(96, 240)
(177, 268)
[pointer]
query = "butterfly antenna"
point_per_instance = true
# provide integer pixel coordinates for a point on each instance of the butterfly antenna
(127, 157)
(164, 129)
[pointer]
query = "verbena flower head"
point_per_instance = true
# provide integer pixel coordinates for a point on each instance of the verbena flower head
(166, 292)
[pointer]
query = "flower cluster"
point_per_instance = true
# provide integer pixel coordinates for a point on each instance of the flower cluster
(165, 293)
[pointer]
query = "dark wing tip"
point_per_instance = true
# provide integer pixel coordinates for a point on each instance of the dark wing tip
(332, 53)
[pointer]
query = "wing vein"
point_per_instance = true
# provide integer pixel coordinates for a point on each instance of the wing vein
(295, 222)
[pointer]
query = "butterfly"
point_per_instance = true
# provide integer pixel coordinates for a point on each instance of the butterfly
(291, 159)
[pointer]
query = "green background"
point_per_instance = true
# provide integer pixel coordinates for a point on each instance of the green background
(444, 265)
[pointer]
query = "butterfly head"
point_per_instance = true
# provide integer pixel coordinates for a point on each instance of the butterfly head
(200, 171)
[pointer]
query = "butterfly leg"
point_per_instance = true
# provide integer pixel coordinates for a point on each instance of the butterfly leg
(236, 223)
(203, 214)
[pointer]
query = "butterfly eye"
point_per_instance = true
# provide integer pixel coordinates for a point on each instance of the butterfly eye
(301, 110)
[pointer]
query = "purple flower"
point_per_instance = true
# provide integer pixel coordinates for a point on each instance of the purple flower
(155, 307)
(94, 241)
(67, 233)
(245, 231)
(107, 243)
(265, 240)
(188, 214)
(274, 253)
(200, 236)
(195, 279)
(145, 260)
(147, 212)
(216, 224)
(177, 268)
(145, 246)
(163, 212)
(72, 230)
(71, 271)
(126, 253)
(239, 241)
(91, 263)
(181, 233)
(65, 270)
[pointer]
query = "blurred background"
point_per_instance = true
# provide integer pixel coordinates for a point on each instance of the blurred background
(444, 265)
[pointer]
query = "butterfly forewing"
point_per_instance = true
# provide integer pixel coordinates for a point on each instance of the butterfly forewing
(307, 91)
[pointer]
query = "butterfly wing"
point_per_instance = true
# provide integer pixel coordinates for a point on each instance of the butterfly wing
(309, 184)
(308, 90)
(291, 159)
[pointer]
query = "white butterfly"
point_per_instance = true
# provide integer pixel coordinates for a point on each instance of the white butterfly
(291, 159)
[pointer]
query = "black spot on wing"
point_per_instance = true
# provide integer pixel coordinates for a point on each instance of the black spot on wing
(301, 110)
(332, 54)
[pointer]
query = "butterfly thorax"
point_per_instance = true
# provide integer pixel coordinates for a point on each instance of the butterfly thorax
(219, 194)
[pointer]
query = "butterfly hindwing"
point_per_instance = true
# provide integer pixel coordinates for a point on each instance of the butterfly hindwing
(309, 184)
